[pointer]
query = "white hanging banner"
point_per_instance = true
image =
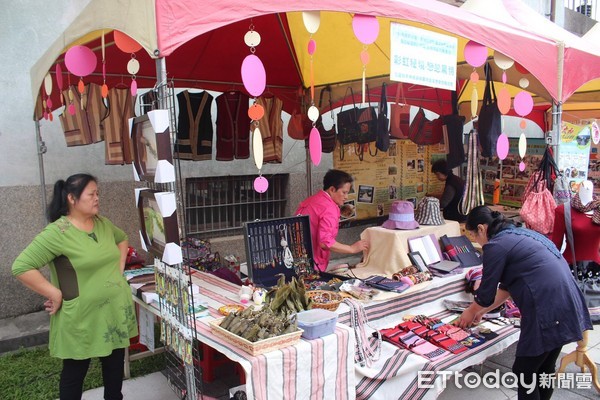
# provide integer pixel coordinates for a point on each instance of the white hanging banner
(422, 57)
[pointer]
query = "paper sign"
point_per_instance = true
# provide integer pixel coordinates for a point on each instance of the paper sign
(146, 328)
(423, 57)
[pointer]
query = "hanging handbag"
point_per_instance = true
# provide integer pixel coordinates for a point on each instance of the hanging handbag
(473, 193)
(425, 132)
(589, 286)
(399, 116)
(454, 129)
(383, 136)
(538, 207)
(367, 122)
(348, 130)
(490, 120)
(328, 136)
(299, 125)
(561, 190)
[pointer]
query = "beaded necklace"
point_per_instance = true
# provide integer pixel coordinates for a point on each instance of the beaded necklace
(366, 351)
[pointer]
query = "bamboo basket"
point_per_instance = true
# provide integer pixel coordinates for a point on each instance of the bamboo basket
(255, 348)
(325, 299)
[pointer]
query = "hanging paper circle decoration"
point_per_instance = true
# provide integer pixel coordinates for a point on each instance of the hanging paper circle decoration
(524, 83)
(80, 60)
(104, 91)
(523, 103)
(133, 66)
(125, 43)
(59, 76)
(49, 103)
(523, 124)
(595, 133)
(256, 112)
(522, 145)
(474, 77)
(48, 84)
(254, 76)
(521, 166)
(257, 148)
(315, 146)
(474, 101)
(133, 87)
(475, 54)
(502, 61)
(313, 113)
(312, 47)
(252, 38)
(261, 184)
(502, 146)
(366, 28)
(71, 109)
(503, 100)
(521, 68)
(365, 58)
(312, 20)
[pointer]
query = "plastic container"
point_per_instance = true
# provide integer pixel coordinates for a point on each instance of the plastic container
(317, 323)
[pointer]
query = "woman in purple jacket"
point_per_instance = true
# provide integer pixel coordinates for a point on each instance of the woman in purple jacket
(527, 266)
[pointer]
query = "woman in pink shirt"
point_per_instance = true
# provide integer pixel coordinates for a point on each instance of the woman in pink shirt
(323, 208)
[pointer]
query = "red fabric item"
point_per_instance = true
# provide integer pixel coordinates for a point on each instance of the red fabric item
(586, 235)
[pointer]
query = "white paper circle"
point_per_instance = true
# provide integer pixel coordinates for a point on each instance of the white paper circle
(313, 113)
(522, 145)
(252, 38)
(48, 84)
(257, 148)
(502, 61)
(312, 20)
(524, 83)
(133, 66)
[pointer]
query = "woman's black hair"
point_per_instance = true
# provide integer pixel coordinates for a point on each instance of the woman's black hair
(336, 178)
(495, 220)
(441, 166)
(74, 185)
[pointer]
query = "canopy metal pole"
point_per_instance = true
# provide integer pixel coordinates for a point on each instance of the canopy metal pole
(557, 106)
(41, 149)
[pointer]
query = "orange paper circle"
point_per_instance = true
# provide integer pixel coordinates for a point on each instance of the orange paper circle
(504, 100)
(256, 112)
(125, 43)
(474, 77)
(523, 124)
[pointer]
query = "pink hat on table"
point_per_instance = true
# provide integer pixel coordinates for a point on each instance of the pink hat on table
(402, 216)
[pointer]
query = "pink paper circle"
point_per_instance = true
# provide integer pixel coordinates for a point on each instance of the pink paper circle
(254, 76)
(475, 54)
(261, 184)
(502, 146)
(366, 28)
(80, 60)
(45, 115)
(523, 103)
(49, 103)
(59, 76)
(503, 76)
(315, 146)
(312, 46)
(522, 166)
(71, 109)
(133, 87)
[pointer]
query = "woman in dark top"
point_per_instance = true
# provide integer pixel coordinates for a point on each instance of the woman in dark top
(527, 266)
(453, 190)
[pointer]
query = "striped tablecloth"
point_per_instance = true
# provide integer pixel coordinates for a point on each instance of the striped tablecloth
(311, 369)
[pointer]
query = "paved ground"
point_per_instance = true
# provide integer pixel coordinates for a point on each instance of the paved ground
(30, 330)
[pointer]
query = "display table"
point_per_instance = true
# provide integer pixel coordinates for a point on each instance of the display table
(388, 248)
(395, 374)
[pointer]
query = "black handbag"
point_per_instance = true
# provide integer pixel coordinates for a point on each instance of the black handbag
(489, 126)
(328, 136)
(383, 136)
(590, 287)
(347, 122)
(367, 122)
(454, 127)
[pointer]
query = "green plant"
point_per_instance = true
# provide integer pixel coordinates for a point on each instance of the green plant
(33, 375)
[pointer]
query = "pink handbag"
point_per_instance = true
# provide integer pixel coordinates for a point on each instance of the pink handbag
(538, 207)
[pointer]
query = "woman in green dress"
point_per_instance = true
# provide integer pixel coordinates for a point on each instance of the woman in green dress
(88, 299)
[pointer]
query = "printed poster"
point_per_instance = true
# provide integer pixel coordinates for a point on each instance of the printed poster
(574, 153)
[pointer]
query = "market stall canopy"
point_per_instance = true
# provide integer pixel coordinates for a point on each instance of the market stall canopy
(203, 42)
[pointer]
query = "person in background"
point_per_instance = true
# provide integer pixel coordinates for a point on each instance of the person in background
(527, 266)
(323, 208)
(88, 299)
(453, 190)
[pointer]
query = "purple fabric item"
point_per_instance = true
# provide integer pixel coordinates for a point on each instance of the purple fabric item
(402, 216)
(228, 275)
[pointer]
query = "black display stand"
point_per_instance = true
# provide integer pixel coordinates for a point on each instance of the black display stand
(268, 255)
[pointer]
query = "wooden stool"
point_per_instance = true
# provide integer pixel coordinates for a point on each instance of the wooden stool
(581, 359)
